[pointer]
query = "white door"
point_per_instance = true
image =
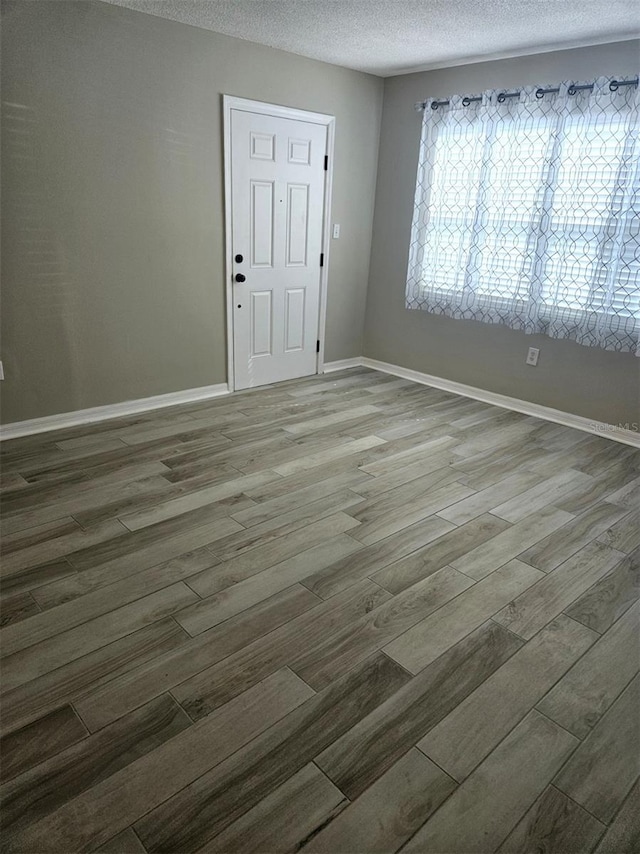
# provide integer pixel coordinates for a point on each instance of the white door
(277, 197)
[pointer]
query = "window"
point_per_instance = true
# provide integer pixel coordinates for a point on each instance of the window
(528, 213)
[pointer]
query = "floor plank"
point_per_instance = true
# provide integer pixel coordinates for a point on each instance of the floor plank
(343, 573)
(376, 486)
(422, 644)
(357, 759)
(471, 731)
(541, 495)
(61, 546)
(88, 672)
(485, 558)
(103, 601)
(274, 507)
(550, 552)
(581, 697)
(30, 579)
(623, 835)
(322, 457)
(14, 609)
(20, 532)
(485, 808)
(390, 811)
(91, 575)
(250, 556)
(329, 420)
(43, 789)
(601, 772)
(336, 655)
(625, 534)
(123, 797)
(485, 499)
(282, 821)
(403, 573)
(32, 662)
(256, 588)
(125, 842)
(193, 501)
(601, 605)
(93, 578)
(604, 484)
(553, 824)
(536, 606)
(384, 521)
(171, 667)
(38, 741)
(283, 647)
(213, 802)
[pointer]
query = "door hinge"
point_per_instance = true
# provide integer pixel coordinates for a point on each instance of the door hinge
(322, 259)
(326, 162)
(317, 346)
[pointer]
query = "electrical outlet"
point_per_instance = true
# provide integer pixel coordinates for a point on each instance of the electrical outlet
(532, 356)
(336, 231)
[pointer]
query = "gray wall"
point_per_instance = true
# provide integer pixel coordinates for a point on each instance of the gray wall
(112, 172)
(590, 382)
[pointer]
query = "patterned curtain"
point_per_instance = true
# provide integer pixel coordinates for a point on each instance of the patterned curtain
(527, 213)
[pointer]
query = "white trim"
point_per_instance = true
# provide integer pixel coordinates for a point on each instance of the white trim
(278, 110)
(557, 416)
(341, 365)
(228, 260)
(112, 410)
(326, 243)
(192, 395)
(546, 413)
(231, 102)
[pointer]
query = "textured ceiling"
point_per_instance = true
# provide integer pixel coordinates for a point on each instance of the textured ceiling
(388, 37)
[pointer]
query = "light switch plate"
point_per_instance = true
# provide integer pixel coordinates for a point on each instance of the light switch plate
(336, 231)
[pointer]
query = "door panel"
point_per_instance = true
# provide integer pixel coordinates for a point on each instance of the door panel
(261, 323)
(300, 151)
(277, 197)
(262, 146)
(297, 224)
(294, 335)
(261, 223)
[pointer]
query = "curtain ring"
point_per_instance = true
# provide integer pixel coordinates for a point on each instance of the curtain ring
(539, 94)
(466, 102)
(502, 98)
(613, 86)
(571, 90)
(434, 105)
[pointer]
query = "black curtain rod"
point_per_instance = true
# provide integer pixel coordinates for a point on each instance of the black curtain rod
(540, 93)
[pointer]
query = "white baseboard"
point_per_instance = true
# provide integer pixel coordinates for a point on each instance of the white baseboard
(547, 413)
(132, 407)
(113, 410)
(342, 364)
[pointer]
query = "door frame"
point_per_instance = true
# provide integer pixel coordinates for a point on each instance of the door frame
(231, 102)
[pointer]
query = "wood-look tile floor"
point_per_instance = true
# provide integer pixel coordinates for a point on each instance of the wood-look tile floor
(342, 614)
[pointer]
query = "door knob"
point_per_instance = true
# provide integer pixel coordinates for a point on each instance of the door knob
(240, 277)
